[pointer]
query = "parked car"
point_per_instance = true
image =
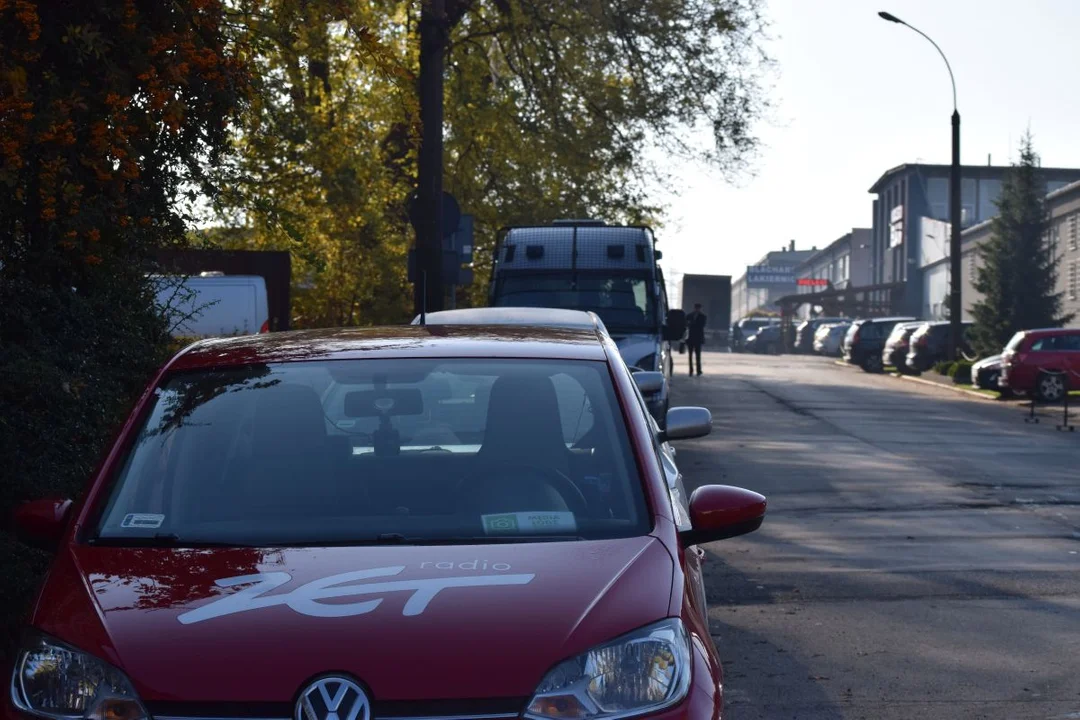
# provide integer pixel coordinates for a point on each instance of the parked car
(865, 340)
(1045, 363)
(657, 398)
(986, 374)
(896, 346)
(213, 304)
(541, 544)
(768, 340)
(747, 327)
(829, 339)
(930, 345)
(806, 330)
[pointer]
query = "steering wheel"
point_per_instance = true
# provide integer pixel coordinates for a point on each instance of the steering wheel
(555, 479)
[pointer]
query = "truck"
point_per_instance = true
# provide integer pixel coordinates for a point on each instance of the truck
(714, 294)
(611, 270)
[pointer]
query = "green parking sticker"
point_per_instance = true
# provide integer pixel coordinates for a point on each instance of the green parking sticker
(529, 522)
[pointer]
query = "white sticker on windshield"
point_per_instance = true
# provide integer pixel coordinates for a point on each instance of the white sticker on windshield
(142, 521)
(529, 522)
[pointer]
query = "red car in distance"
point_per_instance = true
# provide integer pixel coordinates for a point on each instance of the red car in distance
(1043, 363)
(421, 522)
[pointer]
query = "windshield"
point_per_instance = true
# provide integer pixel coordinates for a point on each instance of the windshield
(397, 450)
(1014, 343)
(625, 303)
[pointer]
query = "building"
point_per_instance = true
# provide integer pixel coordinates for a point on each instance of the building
(842, 265)
(1063, 206)
(908, 193)
(765, 282)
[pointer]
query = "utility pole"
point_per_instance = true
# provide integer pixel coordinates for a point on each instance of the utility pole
(956, 307)
(428, 293)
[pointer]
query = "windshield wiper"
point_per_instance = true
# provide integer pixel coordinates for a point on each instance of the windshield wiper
(165, 540)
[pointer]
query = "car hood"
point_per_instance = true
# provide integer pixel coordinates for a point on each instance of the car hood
(412, 622)
(635, 346)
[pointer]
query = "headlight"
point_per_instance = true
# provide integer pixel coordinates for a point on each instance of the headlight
(645, 671)
(53, 680)
(648, 362)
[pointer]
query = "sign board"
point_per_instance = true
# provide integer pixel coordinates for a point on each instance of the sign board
(896, 226)
(461, 240)
(812, 282)
(763, 276)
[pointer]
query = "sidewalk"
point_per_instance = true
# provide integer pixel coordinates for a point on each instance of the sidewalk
(1045, 414)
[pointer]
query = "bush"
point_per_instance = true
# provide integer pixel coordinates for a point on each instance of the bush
(72, 362)
(960, 372)
(943, 367)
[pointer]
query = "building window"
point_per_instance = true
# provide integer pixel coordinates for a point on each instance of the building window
(937, 195)
(1051, 240)
(1074, 279)
(972, 264)
(1074, 231)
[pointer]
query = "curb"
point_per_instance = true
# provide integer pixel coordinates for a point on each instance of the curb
(962, 391)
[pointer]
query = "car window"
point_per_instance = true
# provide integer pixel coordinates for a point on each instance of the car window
(351, 451)
(1069, 342)
(1044, 344)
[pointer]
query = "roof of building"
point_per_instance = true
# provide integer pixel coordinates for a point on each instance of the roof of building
(1061, 191)
(409, 341)
(965, 170)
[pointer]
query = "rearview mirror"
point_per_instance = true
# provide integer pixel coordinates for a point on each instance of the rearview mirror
(684, 423)
(718, 512)
(649, 381)
(674, 325)
(41, 523)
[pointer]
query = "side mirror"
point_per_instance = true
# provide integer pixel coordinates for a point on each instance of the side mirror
(685, 423)
(41, 523)
(674, 325)
(718, 512)
(649, 382)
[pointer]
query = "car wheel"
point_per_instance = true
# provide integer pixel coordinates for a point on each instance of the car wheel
(1050, 387)
(872, 364)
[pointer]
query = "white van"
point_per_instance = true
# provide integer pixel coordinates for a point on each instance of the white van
(212, 304)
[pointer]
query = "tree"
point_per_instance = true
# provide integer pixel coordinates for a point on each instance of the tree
(1019, 265)
(109, 111)
(549, 110)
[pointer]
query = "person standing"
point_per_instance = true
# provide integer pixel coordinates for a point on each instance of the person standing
(695, 336)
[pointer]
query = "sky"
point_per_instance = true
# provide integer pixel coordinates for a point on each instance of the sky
(854, 95)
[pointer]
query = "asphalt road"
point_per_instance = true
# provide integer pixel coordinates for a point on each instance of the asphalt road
(920, 554)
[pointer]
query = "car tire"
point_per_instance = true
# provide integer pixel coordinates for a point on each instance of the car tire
(872, 364)
(1050, 387)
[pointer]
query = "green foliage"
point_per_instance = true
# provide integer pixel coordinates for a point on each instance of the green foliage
(548, 110)
(1018, 274)
(943, 367)
(960, 372)
(109, 111)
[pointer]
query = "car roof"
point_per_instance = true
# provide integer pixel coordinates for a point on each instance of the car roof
(1051, 331)
(886, 319)
(406, 341)
(525, 316)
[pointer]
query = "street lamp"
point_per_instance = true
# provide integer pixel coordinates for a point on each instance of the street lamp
(955, 305)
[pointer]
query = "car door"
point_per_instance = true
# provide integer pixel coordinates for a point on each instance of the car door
(680, 505)
(1070, 347)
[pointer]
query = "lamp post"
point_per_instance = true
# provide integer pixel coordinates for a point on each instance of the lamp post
(955, 305)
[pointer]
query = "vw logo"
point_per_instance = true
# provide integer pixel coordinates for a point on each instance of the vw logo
(333, 698)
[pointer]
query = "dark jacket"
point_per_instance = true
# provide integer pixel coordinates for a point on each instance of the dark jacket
(695, 328)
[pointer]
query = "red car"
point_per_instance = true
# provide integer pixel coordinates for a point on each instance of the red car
(422, 522)
(1045, 363)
